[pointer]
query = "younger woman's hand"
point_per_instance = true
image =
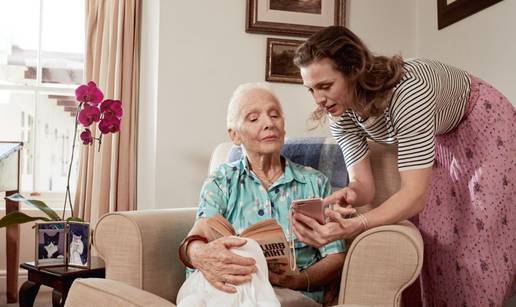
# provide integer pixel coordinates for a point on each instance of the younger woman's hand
(340, 227)
(221, 267)
(343, 197)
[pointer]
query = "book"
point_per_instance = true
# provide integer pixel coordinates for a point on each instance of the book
(269, 235)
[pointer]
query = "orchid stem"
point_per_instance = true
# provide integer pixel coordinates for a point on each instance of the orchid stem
(100, 142)
(68, 194)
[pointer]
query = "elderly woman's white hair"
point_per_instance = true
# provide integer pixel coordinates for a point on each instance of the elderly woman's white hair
(236, 99)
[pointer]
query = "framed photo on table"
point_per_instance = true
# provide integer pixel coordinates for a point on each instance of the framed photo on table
(293, 17)
(279, 66)
(50, 244)
(79, 244)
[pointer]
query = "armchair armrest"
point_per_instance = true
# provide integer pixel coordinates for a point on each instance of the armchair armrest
(140, 248)
(105, 292)
(380, 264)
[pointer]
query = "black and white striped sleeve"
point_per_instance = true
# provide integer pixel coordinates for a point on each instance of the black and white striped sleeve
(413, 117)
(351, 139)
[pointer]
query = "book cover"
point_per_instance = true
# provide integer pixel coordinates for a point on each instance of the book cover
(269, 235)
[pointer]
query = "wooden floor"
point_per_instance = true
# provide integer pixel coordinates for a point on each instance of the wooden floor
(44, 298)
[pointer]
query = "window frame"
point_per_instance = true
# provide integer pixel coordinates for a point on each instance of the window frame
(37, 89)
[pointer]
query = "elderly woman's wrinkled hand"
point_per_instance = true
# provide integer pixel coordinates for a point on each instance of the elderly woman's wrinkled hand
(221, 267)
(309, 231)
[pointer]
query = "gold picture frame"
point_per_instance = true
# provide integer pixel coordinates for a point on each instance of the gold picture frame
(55, 245)
(83, 258)
(50, 249)
(279, 66)
(293, 17)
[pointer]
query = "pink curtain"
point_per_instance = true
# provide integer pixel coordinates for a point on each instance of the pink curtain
(107, 178)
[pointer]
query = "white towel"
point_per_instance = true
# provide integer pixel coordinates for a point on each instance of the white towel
(196, 291)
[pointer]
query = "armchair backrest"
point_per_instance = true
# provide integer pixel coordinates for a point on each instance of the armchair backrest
(140, 247)
(325, 155)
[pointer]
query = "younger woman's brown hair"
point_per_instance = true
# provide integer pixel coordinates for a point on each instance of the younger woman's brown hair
(371, 78)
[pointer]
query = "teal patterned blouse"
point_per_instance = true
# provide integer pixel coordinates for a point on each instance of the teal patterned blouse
(235, 192)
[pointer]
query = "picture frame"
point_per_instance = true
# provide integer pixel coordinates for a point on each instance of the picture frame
(279, 66)
(78, 244)
(451, 11)
(293, 17)
(50, 244)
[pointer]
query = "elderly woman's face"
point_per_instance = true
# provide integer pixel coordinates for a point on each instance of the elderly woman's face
(260, 125)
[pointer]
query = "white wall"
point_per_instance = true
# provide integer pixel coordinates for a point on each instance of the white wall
(483, 44)
(146, 168)
(203, 54)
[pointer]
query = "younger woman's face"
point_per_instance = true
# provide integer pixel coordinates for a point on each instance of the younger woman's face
(327, 85)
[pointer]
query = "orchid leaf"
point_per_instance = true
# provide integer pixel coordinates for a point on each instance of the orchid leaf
(37, 204)
(74, 219)
(15, 218)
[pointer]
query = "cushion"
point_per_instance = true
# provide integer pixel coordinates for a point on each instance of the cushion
(320, 153)
(106, 292)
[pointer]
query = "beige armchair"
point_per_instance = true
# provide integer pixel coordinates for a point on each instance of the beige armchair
(143, 269)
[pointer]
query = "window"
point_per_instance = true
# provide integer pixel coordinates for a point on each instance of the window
(41, 63)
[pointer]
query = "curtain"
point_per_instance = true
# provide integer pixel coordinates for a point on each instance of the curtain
(107, 173)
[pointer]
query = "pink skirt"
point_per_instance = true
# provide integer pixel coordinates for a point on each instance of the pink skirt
(469, 223)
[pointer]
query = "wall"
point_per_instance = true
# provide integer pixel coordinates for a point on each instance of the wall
(483, 44)
(203, 54)
(146, 168)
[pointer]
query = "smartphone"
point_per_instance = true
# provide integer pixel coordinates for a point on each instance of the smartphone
(312, 207)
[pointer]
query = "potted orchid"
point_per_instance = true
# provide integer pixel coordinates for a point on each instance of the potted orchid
(92, 108)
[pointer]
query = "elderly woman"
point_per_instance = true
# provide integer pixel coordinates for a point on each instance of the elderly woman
(260, 186)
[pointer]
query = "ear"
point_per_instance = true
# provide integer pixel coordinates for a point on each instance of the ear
(234, 136)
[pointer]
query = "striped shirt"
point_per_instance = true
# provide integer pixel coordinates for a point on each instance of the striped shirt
(429, 100)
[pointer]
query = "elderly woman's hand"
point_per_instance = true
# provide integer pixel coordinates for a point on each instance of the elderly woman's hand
(339, 227)
(219, 265)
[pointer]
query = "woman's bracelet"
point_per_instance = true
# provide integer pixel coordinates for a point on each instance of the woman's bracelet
(363, 221)
(307, 281)
(183, 249)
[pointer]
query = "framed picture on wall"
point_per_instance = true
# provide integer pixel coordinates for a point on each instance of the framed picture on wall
(451, 11)
(293, 17)
(279, 65)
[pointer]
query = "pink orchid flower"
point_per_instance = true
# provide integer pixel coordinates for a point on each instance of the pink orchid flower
(89, 94)
(110, 107)
(109, 124)
(86, 137)
(88, 115)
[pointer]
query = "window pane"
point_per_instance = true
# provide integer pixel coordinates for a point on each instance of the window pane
(55, 127)
(19, 23)
(62, 41)
(17, 124)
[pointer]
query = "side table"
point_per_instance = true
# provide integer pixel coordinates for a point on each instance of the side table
(59, 278)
